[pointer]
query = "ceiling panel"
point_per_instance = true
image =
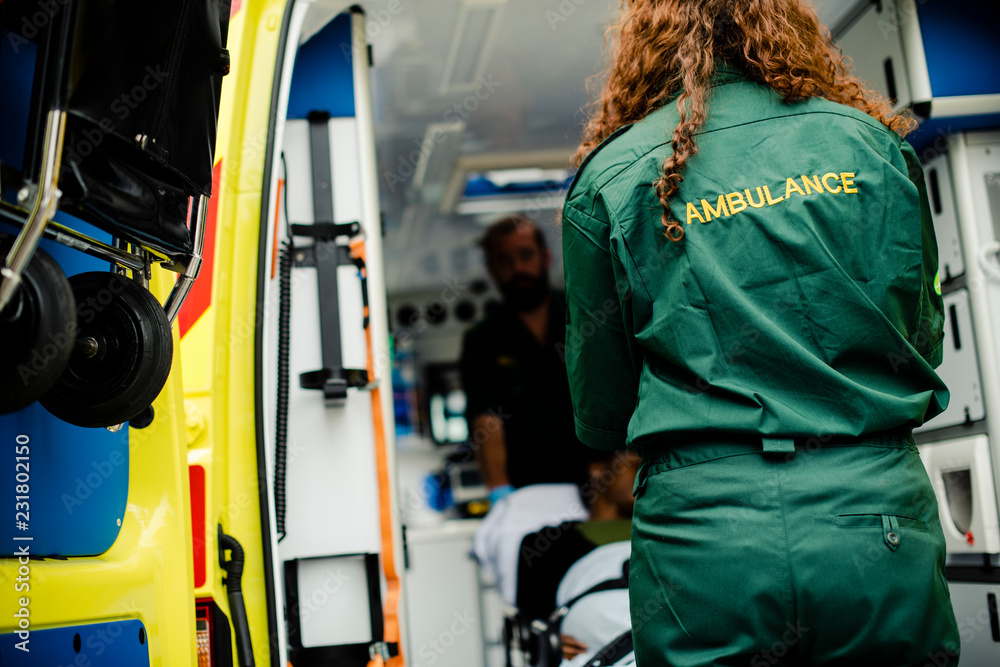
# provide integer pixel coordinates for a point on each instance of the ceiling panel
(527, 92)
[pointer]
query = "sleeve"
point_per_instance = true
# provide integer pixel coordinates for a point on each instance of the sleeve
(600, 364)
(479, 378)
(927, 334)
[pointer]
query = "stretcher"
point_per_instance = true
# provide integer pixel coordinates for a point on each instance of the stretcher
(592, 607)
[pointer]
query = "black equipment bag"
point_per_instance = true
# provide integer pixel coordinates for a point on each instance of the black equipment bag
(140, 81)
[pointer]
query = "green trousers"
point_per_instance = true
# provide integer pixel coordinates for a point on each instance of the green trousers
(789, 553)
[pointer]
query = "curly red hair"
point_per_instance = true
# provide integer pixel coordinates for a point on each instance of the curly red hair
(660, 48)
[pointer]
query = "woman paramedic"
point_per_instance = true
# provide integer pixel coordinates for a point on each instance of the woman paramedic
(752, 306)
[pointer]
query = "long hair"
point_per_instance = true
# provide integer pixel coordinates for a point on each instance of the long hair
(662, 48)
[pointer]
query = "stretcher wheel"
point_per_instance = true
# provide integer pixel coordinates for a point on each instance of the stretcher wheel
(122, 355)
(36, 331)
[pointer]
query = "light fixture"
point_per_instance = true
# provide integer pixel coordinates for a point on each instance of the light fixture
(471, 44)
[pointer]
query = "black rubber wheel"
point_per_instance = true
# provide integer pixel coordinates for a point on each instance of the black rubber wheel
(129, 357)
(37, 331)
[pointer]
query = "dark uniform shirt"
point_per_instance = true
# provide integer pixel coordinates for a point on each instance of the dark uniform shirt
(801, 301)
(507, 373)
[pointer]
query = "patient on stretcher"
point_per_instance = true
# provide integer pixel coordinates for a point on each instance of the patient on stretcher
(531, 539)
(546, 555)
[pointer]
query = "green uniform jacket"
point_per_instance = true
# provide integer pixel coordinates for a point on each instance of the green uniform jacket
(802, 300)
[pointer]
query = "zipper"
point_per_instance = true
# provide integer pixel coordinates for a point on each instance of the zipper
(180, 36)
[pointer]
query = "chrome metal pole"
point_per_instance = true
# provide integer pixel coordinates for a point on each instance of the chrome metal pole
(187, 278)
(42, 209)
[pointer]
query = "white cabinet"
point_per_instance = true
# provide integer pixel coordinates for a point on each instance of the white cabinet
(452, 620)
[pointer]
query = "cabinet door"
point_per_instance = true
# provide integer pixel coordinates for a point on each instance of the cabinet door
(941, 194)
(442, 593)
(960, 368)
(873, 43)
(976, 611)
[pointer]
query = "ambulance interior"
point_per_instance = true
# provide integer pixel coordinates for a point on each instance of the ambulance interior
(478, 106)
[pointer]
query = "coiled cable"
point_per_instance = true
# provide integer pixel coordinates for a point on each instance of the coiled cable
(285, 255)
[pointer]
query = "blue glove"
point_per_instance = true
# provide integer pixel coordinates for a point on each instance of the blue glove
(499, 492)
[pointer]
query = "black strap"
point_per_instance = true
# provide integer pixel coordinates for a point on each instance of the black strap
(548, 644)
(327, 254)
(322, 172)
(619, 647)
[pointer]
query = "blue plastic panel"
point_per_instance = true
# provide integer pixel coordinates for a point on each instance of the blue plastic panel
(323, 78)
(114, 644)
(78, 485)
(78, 477)
(17, 71)
(962, 46)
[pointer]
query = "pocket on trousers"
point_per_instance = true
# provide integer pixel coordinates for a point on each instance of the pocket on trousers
(892, 526)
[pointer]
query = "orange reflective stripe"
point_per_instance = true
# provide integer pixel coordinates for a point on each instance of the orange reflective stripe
(392, 586)
(277, 218)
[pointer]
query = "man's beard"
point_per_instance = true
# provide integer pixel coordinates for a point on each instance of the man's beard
(525, 292)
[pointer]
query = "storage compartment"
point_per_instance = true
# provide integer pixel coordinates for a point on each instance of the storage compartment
(980, 152)
(941, 194)
(874, 45)
(960, 368)
(928, 55)
(975, 605)
(961, 472)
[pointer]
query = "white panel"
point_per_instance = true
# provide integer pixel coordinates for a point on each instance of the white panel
(971, 604)
(968, 512)
(442, 590)
(972, 157)
(298, 185)
(941, 194)
(333, 601)
(965, 105)
(331, 484)
(353, 345)
(331, 473)
(343, 165)
(960, 368)
(984, 171)
(913, 46)
(346, 175)
(871, 40)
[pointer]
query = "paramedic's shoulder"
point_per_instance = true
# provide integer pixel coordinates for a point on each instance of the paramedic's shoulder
(601, 166)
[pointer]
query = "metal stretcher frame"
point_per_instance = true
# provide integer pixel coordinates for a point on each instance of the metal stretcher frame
(38, 223)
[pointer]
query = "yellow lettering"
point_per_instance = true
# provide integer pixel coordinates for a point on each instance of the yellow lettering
(760, 195)
(718, 211)
(693, 213)
(771, 202)
(791, 185)
(812, 184)
(846, 178)
(735, 199)
(827, 185)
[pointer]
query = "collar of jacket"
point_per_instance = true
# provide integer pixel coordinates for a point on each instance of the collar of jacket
(724, 73)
